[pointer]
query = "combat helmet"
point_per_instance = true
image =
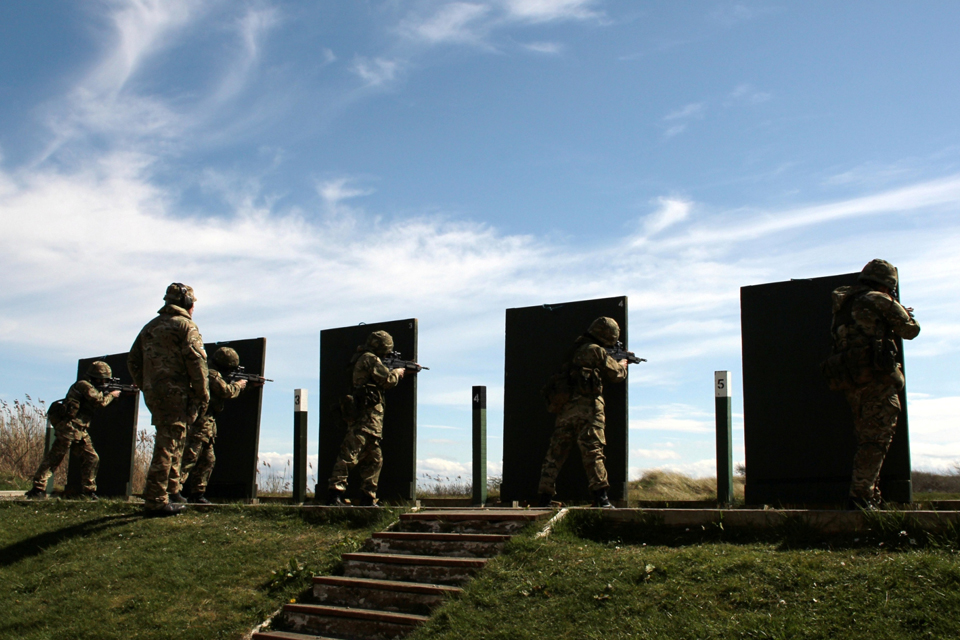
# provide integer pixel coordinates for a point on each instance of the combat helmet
(226, 358)
(380, 342)
(99, 369)
(879, 272)
(180, 295)
(605, 330)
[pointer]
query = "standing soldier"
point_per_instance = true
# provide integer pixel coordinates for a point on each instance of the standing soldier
(168, 363)
(71, 419)
(364, 417)
(581, 418)
(198, 456)
(867, 319)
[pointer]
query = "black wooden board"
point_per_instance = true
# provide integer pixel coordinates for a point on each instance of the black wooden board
(537, 339)
(798, 434)
(238, 428)
(398, 479)
(114, 434)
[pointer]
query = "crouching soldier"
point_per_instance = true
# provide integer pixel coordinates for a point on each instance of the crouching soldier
(71, 418)
(198, 459)
(361, 445)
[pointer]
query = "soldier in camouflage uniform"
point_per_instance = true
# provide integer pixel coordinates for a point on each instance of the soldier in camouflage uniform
(72, 433)
(581, 419)
(361, 444)
(168, 362)
(866, 320)
(198, 458)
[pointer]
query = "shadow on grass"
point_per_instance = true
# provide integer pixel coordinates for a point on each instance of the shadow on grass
(37, 544)
(882, 529)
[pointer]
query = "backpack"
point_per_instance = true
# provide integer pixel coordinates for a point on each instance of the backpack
(558, 390)
(63, 411)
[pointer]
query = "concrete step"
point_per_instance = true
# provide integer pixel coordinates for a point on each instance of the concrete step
(347, 623)
(410, 568)
(287, 635)
(462, 545)
(383, 595)
(491, 521)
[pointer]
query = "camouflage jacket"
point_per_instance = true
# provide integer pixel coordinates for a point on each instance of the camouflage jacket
(220, 391)
(865, 325)
(167, 361)
(89, 399)
(592, 366)
(370, 379)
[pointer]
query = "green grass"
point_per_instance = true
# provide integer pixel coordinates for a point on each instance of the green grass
(568, 586)
(102, 571)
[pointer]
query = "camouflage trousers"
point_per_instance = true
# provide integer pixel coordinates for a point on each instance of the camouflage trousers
(581, 421)
(197, 462)
(164, 469)
(876, 408)
(79, 441)
(361, 450)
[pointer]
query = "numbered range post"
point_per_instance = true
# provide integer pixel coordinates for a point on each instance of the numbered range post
(299, 446)
(479, 445)
(724, 400)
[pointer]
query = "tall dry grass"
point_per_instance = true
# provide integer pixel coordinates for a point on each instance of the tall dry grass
(23, 427)
(657, 484)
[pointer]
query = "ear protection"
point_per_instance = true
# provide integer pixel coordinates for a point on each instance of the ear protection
(186, 299)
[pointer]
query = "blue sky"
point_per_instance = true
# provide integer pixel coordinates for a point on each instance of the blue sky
(314, 165)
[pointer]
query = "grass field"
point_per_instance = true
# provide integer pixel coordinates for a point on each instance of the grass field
(101, 571)
(569, 586)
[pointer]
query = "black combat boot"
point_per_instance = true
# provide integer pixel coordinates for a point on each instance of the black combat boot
(91, 496)
(176, 498)
(545, 500)
(165, 511)
(198, 498)
(601, 500)
(335, 498)
(35, 494)
(368, 501)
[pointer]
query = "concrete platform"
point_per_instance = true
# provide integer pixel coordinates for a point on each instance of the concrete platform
(827, 521)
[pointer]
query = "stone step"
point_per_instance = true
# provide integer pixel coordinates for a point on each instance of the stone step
(410, 568)
(384, 595)
(493, 521)
(287, 635)
(462, 545)
(348, 623)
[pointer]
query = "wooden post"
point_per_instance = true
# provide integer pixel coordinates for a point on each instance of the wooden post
(723, 396)
(479, 445)
(51, 436)
(299, 446)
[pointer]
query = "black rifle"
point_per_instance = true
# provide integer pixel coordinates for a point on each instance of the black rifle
(618, 353)
(113, 384)
(239, 374)
(393, 361)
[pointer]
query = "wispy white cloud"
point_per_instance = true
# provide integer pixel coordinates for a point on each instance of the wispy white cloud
(655, 454)
(474, 23)
(457, 22)
(731, 14)
(747, 94)
(677, 121)
(551, 48)
(694, 109)
(376, 71)
(550, 10)
(672, 211)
